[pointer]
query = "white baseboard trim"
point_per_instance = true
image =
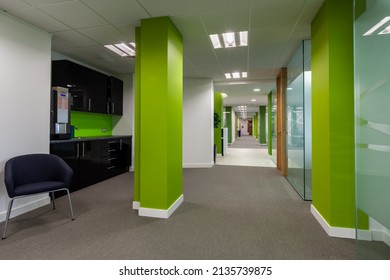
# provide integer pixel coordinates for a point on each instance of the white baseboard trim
(131, 169)
(136, 205)
(198, 165)
(21, 209)
(333, 231)
(160, 213)
(381, 236)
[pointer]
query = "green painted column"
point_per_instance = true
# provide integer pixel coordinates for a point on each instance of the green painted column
(263, 128)
(333, 114)
(137, 124)
(228, 117)
(270, 132)
(159, 117)
(218, 107)
(256, 125)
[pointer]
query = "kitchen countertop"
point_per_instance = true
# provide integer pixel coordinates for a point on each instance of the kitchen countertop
(89, 138)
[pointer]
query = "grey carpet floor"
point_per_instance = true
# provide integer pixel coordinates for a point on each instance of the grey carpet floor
(228, 212)
(247, 142)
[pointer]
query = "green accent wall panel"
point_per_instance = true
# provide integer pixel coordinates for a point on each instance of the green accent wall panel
(256, 125)
(137, 117)
(333, 113)
(270, 132)
(160, 113)
(263, 128)
(228, 124)
(91, 124)
(218, 107)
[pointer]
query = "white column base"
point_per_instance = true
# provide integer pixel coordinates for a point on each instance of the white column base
(136, 205)
(160, 213)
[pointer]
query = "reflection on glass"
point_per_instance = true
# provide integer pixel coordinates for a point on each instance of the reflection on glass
(298, 100)
(372, 123)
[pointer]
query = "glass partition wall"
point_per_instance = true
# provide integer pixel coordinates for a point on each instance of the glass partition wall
(298, 124)
(372, 130)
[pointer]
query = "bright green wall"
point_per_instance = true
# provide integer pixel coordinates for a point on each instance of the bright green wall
(218, 107)
(160, 113)
(228, 124)
(263, 128)
(333, 113)
(91, 124)
(137, 117)
(270, 132)
(256, 125)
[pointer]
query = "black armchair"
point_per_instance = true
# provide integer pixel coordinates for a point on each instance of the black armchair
(35, 174)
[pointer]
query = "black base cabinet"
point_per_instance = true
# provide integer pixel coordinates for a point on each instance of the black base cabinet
(93, 161)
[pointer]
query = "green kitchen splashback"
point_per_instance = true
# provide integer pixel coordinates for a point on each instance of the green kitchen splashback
(91, 124)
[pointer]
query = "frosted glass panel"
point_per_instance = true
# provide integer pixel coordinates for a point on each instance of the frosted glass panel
(372, 97)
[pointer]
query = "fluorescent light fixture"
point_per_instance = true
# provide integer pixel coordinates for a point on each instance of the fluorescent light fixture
(215, 41)
(236, 75)
(229, 39)
(256, 89)
(224, 95)
(116, 50)
(377, 26)
(289, 88)
(243, 38)
(122, 49)
(253, 100)
(126, 48)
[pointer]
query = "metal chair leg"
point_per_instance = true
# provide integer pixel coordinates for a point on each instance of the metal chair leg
(7, 218)
(52, 200)
(70, 204)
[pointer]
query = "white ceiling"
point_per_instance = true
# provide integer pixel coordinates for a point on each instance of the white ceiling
(276, 28)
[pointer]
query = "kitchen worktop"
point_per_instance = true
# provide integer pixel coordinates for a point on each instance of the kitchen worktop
(89, 138)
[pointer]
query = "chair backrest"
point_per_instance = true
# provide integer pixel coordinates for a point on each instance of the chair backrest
(33, 168)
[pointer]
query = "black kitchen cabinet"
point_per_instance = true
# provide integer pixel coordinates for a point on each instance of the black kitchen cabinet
(93, 161)
(69, 152)
(88, 88)
(115, 96)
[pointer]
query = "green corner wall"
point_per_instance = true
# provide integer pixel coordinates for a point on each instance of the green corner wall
(270, 132)
(333, 113)
(263, 127)
(256, 125)
(228, 123)
(218, 108)
(159, 116)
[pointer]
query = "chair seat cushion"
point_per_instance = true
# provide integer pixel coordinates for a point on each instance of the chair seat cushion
(39, 187)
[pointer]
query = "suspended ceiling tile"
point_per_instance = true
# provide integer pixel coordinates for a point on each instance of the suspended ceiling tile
(73, 38)
(118, 11)
(39, 19)
(8, 5)
(104, 34)
(205, 6)
(172, 8)
(74, 14)
(44, 2)
(238, 21)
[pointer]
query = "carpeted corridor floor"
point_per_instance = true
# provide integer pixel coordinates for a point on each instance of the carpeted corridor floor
(229, 212)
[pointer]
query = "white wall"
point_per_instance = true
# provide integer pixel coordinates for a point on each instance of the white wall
(25, 57)
(198, 108)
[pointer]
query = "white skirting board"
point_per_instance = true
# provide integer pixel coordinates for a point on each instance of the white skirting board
(333, 231)
(198, 165)
(18, 210)
(159, 213)
(373, 234)
(136, 205)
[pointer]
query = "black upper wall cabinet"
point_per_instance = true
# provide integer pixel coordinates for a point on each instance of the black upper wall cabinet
(89, 89)
(115, 96)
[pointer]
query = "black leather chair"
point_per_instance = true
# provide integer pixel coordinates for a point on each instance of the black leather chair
(34, 174)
